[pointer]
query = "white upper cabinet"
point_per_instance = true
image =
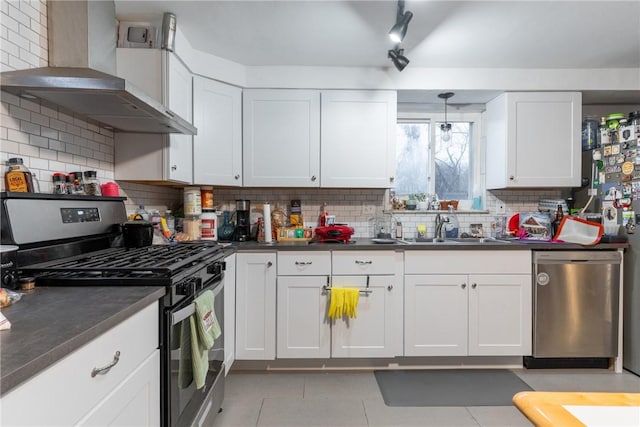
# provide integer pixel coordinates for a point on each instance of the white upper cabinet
(358, 138)
(281, 138)
(533, 140)
(156, 157)
(217, 148)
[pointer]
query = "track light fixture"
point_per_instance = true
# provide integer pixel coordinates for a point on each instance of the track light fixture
(399, 30)
(398, 59)
(445, 127)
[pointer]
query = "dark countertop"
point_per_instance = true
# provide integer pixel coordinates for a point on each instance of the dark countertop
(51, 322)
(359, 243)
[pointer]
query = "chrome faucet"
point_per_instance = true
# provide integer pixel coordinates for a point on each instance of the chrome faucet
(440, 220)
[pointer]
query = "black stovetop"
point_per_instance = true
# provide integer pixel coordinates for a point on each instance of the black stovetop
(158, 264)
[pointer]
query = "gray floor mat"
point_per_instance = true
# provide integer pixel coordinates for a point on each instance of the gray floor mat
(460, 387)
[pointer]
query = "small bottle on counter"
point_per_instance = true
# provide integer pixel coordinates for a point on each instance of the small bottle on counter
(18, 177)
(78, 183)
(59, 183)
(91, 183)
(171, 221)
(69, 183)
(399, 230)
(557, 220)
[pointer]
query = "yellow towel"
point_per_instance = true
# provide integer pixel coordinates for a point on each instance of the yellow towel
(343, 302)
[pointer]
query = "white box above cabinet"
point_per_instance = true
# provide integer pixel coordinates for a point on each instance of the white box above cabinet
(533, 140)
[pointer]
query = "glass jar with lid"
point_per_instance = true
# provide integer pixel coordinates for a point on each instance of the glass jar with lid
(59, 183)
(91, 183)
(78, 183)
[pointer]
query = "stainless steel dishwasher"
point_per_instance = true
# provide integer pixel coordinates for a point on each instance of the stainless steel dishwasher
(575, 297)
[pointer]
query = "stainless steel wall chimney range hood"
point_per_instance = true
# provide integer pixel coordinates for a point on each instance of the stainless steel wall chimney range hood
(81, 76)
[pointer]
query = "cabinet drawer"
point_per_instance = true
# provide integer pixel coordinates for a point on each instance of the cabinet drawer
(304, 263)
(467, 262)
(136, 338)
(363, 262)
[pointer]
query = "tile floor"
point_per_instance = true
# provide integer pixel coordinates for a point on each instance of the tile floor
(353, 399)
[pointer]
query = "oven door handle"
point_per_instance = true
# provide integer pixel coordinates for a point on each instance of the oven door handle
(189, 310)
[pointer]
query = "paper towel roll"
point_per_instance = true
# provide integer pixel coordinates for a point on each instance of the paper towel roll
(266, 209)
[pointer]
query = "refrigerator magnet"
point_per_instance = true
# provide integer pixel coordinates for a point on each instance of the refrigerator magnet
(627, 168)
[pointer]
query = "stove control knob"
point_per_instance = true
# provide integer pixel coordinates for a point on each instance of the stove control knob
(185, 288)
(8, 279)
(214, 268)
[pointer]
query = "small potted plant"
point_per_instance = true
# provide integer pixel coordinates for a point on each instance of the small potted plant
(422, 201)
(412, 202)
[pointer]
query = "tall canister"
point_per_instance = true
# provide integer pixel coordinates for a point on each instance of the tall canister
(192, 201)
(208, 227)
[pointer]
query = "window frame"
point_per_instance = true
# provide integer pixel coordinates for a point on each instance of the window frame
(476, 144)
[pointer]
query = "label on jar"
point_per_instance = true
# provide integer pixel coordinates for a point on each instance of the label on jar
(206, 194)
(208, 228)
(17, 181)
(192, 201)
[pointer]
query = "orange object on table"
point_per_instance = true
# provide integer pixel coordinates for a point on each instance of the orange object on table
(546, 409)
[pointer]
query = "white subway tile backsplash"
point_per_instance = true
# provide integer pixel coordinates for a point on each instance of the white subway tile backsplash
(39, 141)
(49, 133)
(27, 32)
(19, 113)
(10, 147)
(47, 111)
(48, 154)
(28, 127)
(17, 136)
(10, 122)
(11, 49)
(86, 152)
(73, 149)
(57, 145)
(36, 163)
(40, 119)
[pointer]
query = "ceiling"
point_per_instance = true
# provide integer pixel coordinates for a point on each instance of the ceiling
(442, 34)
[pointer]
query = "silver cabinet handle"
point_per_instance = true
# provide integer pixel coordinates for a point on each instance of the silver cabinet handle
(512, 177)
(106, 368)
(475, 285)
(363, 262)
(390, 287)
(304, 262)
(463, 286)
(174, 167)
(391, 179)
(237, 177)
(313, 178)
(269, 264)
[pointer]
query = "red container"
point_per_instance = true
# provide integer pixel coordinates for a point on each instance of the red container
(110, 189)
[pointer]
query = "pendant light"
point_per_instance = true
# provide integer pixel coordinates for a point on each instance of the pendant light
(445, 127)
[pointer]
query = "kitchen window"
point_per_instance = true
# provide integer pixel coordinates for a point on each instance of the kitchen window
(426, 164)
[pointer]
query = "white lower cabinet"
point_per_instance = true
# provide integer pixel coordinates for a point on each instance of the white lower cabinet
(256, 306)
(229, 325)
(303, 329)
(483, 314)
(377, 329)
(128, 394)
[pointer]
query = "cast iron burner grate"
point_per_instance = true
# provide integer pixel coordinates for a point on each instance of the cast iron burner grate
(126, 266)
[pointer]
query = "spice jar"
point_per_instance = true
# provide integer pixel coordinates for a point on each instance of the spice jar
(78, 183)
(69, 183)
(91, 183)
(18, 177)
(59, 183)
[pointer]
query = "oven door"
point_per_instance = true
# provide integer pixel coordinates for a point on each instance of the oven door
(187, 405)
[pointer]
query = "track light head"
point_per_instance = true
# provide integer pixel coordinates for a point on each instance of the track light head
(399, 30)
(398, 59)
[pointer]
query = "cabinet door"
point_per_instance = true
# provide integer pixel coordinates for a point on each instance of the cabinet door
(358, 139)
(255, 306)
(533, 140)
(229, 326)
(500, 315)
(303, 330)
(179, 98)
(377, 329)
(135, 402)
(435, 315)
(217, 148)
(281, 138)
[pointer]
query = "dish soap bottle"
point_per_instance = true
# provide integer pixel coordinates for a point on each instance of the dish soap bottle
(451, 226)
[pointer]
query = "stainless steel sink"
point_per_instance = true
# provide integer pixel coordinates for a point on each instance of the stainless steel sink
(456, 241)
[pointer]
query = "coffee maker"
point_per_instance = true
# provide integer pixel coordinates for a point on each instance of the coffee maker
(243, 220)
